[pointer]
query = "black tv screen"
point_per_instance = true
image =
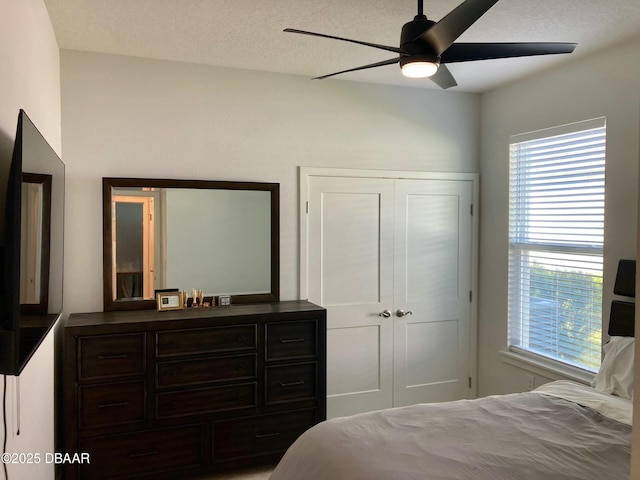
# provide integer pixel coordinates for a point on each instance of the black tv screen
(32, 247)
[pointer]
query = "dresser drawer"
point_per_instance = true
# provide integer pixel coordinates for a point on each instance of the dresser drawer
(259, 435)
(290, 383)
(111, 404)
(288, 340)
(206, 370)
(108, 356)
(206, 400)
(144, 453)
(206, 340)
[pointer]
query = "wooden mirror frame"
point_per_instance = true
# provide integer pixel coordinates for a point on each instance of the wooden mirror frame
(109, 182)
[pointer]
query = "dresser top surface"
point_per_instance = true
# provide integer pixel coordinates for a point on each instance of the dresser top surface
(145, 316)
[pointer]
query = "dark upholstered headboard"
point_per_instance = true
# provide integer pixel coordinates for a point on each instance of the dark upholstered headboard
(622, 317)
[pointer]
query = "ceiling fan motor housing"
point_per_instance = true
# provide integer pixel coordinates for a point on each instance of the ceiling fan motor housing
(410, 32)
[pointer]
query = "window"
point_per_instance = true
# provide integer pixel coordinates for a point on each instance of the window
(556, 231)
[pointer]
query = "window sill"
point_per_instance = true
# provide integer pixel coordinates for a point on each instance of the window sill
(547, 368)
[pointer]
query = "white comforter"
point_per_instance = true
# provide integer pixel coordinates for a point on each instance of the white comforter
(562, 431)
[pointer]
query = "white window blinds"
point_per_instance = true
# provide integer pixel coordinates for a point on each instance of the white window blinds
(556, 231)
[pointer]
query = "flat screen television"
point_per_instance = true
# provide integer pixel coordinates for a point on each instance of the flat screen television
(31, 257)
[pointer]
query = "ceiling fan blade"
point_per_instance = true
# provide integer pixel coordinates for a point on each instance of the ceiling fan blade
(443, 78)
(441, 35)
(465, 52)
(374, 45)
(364, 67)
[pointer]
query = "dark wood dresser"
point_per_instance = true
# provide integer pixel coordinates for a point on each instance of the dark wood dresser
(174, 394)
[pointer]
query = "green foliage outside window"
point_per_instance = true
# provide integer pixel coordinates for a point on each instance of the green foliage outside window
(565, 311)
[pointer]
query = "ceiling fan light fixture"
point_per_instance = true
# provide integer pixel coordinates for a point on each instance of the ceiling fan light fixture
(419, 69)
(419, 65)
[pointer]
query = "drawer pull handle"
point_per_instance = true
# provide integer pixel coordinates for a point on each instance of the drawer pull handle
(114, 404)
(112, 357)
(292, 340)
(143, 454)
(266, 435)
(241, 338)
(291, 384)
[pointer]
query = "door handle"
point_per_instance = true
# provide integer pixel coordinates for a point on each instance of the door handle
(385, 314)
(402, 313)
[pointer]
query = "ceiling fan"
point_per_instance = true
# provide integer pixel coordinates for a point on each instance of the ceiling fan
(426, 46)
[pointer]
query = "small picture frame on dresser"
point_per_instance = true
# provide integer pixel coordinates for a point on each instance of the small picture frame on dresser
(208, 301)
(169, 301)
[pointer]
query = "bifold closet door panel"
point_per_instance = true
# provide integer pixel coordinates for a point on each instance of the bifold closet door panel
(432, 281)
(351, 274)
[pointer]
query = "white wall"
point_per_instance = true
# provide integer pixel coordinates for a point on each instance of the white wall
(30, 79)
(607, 84)
(129, 117)
(30, 68)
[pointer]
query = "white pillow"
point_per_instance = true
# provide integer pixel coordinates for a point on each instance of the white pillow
(615, 376)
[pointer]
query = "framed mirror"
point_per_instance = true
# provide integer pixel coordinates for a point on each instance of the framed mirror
(219, 237)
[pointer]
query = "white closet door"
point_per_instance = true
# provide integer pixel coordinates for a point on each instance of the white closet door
(432, 280)
(350, 262)
(374, 245)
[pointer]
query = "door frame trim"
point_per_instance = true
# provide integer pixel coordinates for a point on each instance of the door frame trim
(305, 173)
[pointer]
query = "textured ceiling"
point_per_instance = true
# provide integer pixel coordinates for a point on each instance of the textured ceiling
(248, 33)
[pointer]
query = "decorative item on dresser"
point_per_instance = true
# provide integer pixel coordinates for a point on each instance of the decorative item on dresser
(152, 394)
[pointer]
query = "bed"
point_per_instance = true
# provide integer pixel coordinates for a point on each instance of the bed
(561, 431)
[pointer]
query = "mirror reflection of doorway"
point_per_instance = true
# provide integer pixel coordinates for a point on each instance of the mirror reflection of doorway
(31, 242)
(134, 239)
(35, 238)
